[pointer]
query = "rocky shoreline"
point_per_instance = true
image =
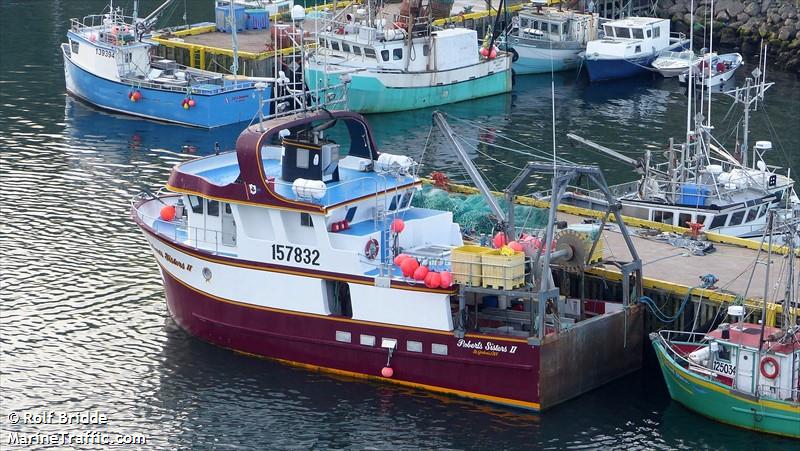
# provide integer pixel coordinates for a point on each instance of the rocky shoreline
(742, 25)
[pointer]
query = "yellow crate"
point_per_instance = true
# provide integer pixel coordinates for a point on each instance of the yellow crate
(466, 264)
(501, 271)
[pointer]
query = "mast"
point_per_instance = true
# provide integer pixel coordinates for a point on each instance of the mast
(234, 39)
(690, 79)
(710, 51)
(135, 10)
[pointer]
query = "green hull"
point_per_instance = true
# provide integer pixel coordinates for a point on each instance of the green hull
(368, 95)
(717, 401)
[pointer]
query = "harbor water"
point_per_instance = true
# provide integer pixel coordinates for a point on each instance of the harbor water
(83, 321)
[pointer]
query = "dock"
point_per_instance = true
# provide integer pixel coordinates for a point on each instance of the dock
(670, 273)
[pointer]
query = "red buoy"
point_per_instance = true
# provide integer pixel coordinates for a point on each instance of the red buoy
(168, 212)
(398, 225)
(420, 273)
(387, 371)
(446, 279)
(409, 265)
(192, 102)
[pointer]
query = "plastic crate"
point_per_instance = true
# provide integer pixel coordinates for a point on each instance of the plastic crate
(257, 19)
(466, 264)
(502, 272)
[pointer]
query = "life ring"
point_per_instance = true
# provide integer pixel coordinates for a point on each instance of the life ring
(371, 249)
(514, 54)
(776, 368)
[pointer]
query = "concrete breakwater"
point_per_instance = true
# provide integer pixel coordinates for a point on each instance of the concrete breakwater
(743, 25)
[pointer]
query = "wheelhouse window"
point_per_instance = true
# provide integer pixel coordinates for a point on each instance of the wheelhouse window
(609, 31)
(752, 214)
(305, 220)
(213, 207)
(197, 204)
(763, 211)
(302, 158)
(385, 55)
(323, 42)
(663, 216)
(128, 57)
(357, 50)
(345, 47)
(351, 213)
(649, 33)
(684, 219)
(638, 33)
(335, 45)
(393, 204)
(623, 32)
(74, 46)
(406, 199)
(638, 49)
(718, 221)
(426, 49)
(397, 54)
(737, 218)
(369, 52)
(656, 32)
(701, 219)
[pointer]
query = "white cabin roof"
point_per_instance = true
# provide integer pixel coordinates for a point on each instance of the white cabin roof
(634, 21)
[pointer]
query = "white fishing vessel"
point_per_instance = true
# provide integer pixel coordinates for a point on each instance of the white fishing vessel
(542, 39)
(397, 63)
(701, 184)
(629, 46)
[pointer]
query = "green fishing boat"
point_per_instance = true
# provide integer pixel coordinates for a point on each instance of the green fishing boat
(723, 375)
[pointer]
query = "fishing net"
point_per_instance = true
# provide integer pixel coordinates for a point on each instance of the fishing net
(473, 213)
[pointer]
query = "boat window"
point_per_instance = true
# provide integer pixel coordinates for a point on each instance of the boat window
(701, 219)
(357, 50)
(397, 54)
(128, 57)
(414, 346)
(213, 207)
(736, 218)
(197, 204)
(751, 214)
(638, 33)
(523, 23)
(638, 49)
(393, 205)
(351, 213)
(565, 28)
(649, 33)
(74, 46)
(656, 32)
(718, 221)
(228, 209)
(663, 216)
(623, 32)
(426, 49)
(305, 220)
(406, 199)
(554, 28)
(335, 45)
(367, 340)
(684, 219)
(323, 42)
(369, 52)
(342, 336)
(385, 55)
(763, 211)
(609, 31)
(302, 158)
(345, 47)
(438, 349)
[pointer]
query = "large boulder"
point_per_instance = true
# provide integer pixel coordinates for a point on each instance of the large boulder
(723, 16)
(733, 7)
(753, 9)
(743, 17)
(786, 32)
(678, 8)
(788, 9)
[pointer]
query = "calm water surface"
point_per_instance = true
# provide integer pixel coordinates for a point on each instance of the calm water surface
(83, 323)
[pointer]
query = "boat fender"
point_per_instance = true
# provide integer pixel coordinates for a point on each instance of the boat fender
(371, 249)
(770, 367)
(514, 54)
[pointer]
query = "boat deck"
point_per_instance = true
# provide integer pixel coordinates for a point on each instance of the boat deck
(250, 41)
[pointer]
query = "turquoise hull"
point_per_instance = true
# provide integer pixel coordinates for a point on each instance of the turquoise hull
(718, 402)
(369, 95)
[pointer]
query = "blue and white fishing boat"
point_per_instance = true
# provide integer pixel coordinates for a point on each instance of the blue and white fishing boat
(397, 63)
(629, 46)
(542, 39)
(107, 63)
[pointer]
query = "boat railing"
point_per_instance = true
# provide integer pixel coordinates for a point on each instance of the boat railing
(111, 28)
(677, 36)
(781, 393)
(178, 230)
